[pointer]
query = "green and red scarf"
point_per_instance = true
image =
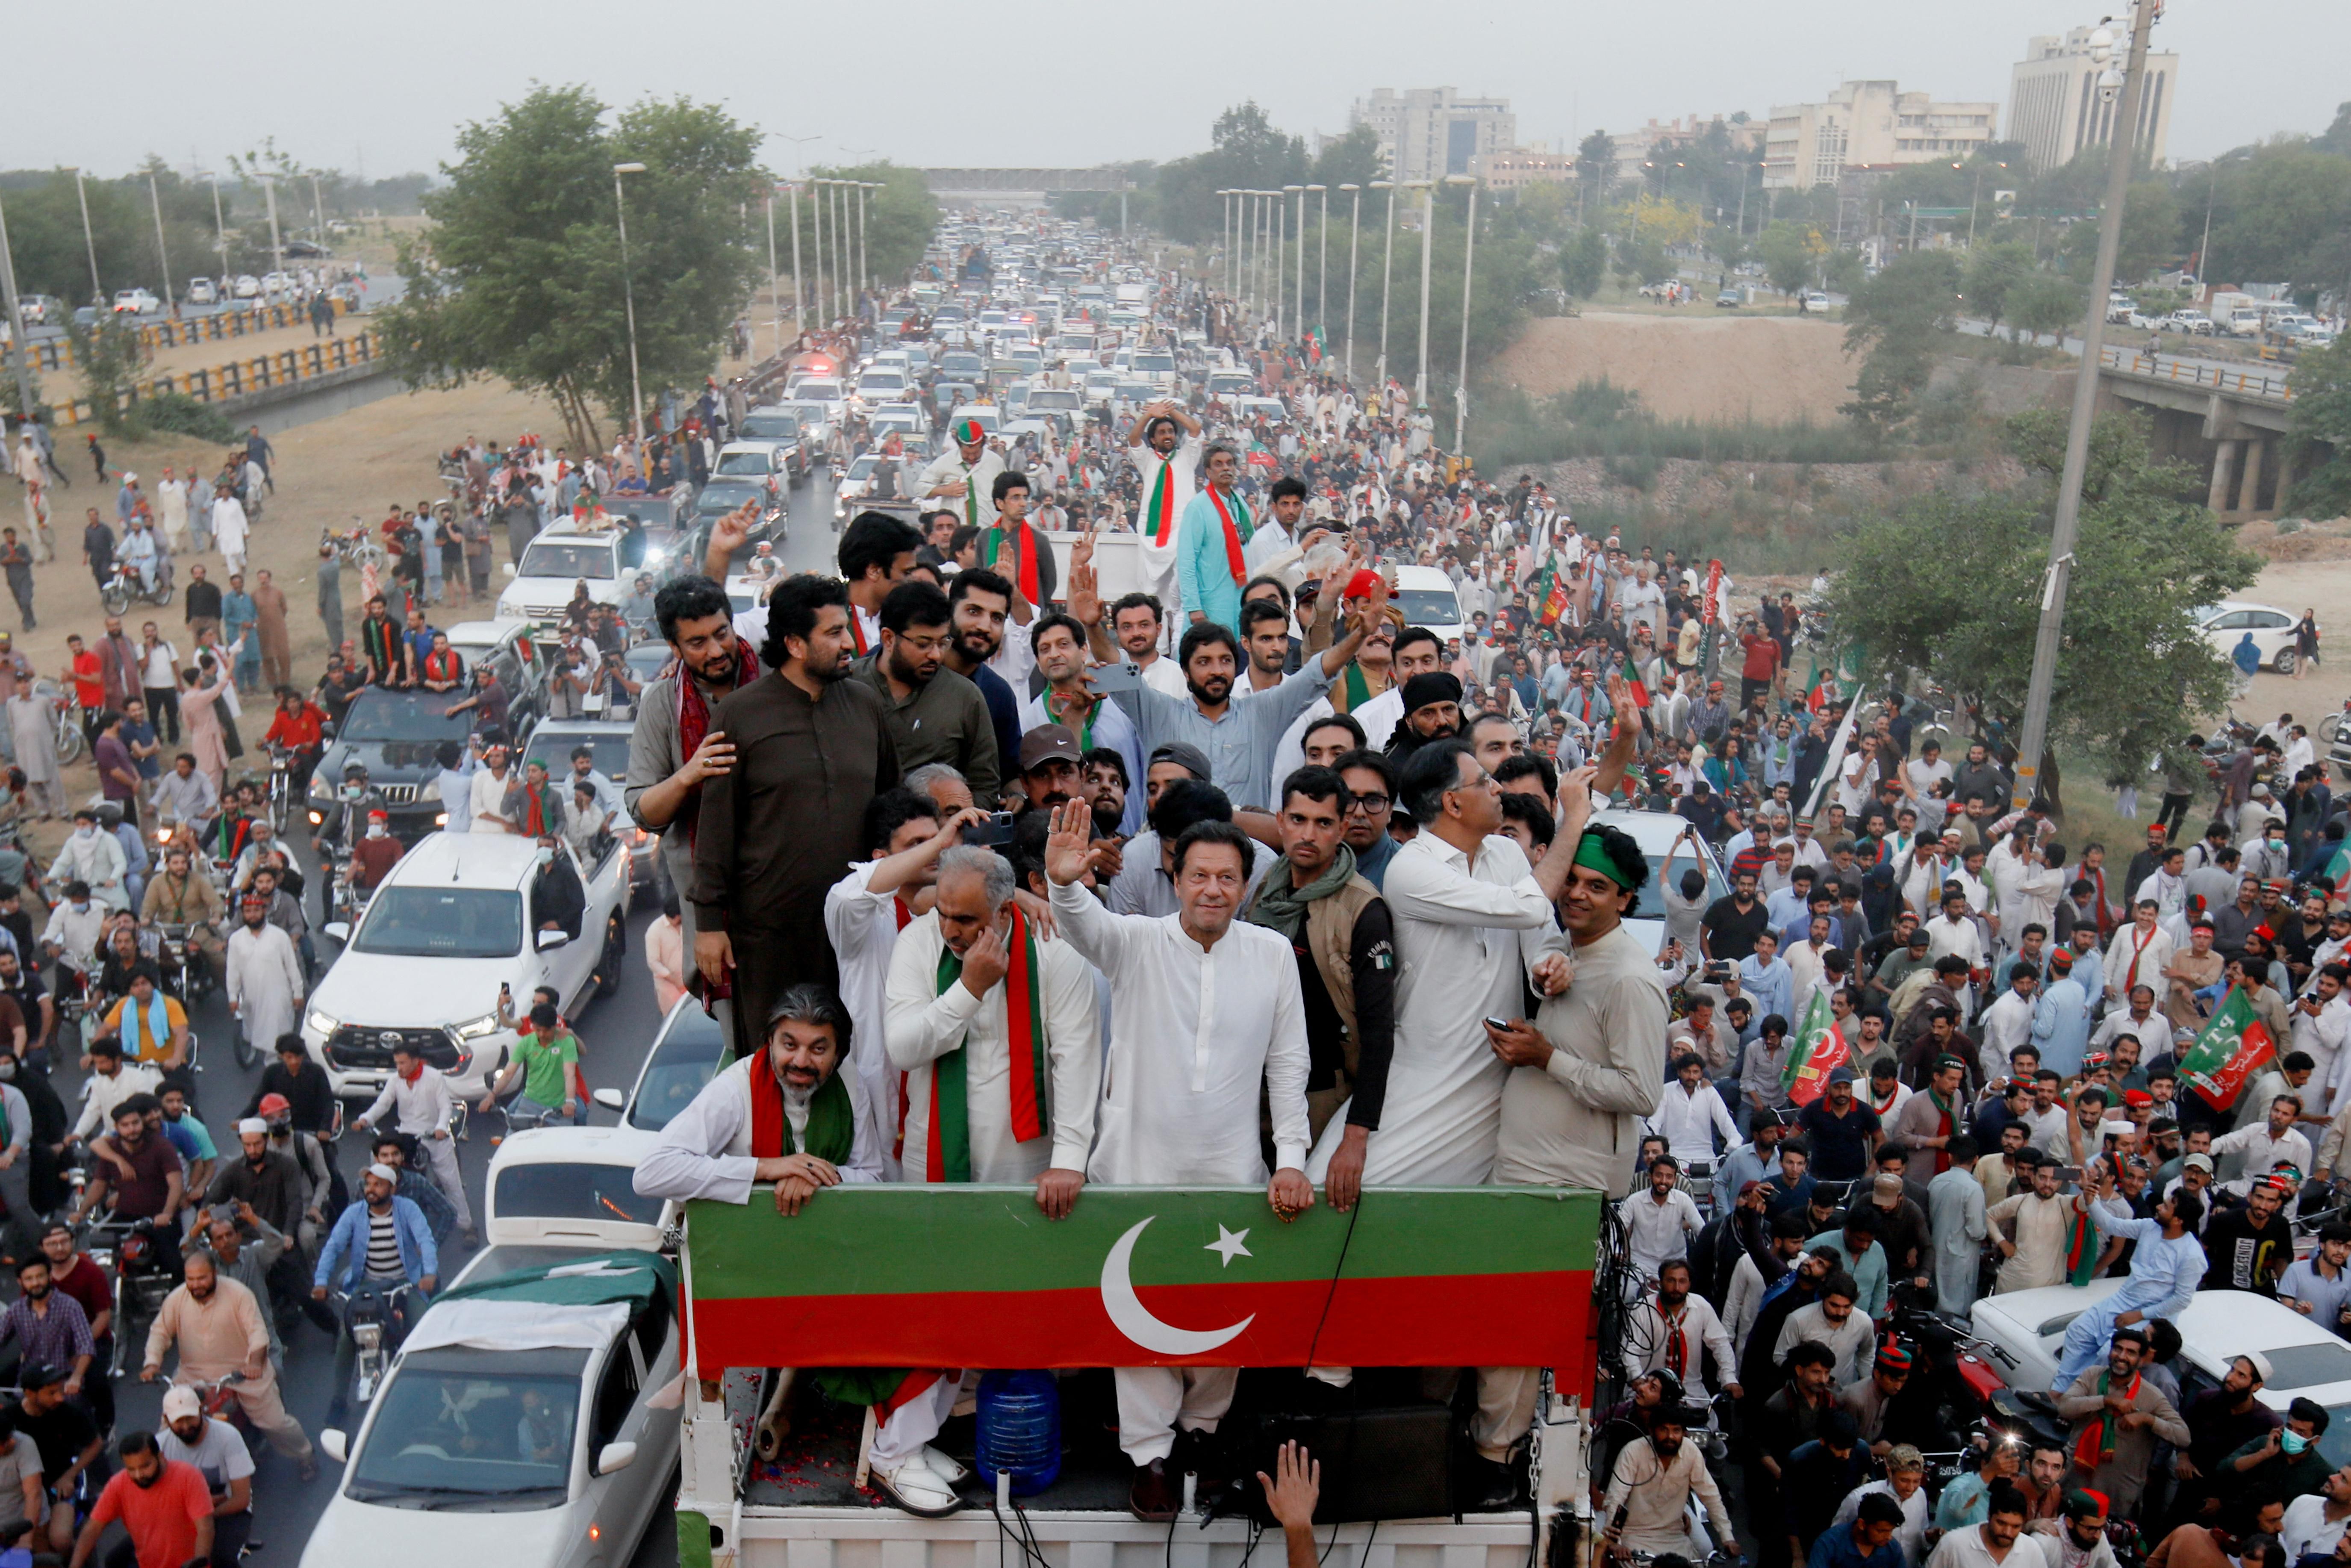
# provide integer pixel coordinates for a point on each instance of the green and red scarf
(832, 1123)
(947, 1156)
(1237, 532)
(1001, 539)
(1949, 1124)
(1160, 511)
(2080, 1250)
(2095, 1446)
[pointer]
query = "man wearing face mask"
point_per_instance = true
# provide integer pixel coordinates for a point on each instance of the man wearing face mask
(71, 940)
(557, 902)
(95, 858)
(344, 825)
(373, 856)
(265, 975)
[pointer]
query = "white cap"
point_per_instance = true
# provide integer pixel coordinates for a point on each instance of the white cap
(382, 1172)
(2261, 1364)
(253, 1124)
(180, 1400)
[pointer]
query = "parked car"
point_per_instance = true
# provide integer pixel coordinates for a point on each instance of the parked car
(448, 926)
(136, 302)
(41, 310)
(1729, 299)
(202, 291)
(2224, 626)
(246, 287)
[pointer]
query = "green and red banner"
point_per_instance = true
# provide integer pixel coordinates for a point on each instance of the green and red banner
(2234, 1045)
(977, 1276)
(1819, 1049)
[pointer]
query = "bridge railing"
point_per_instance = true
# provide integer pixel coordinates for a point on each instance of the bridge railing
(2192, 372)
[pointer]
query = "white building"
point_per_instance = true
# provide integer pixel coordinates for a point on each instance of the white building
(1872, 123)
(1428, 132)
(2055, 110)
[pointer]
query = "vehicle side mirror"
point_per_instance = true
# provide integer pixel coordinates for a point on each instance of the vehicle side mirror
(549, 940)
(615, 1456)
(335, 1444)
(337, 930)
(611, 1099)
(505, 569)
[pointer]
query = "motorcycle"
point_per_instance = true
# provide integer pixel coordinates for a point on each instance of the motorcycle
(123, 588)
(377, 1316)
(145, 1257)
(187, 974)
(1953, 1382)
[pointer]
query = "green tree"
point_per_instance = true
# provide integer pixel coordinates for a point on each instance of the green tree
(1790, 253)
(1951, 587)
(1354, 158)
(2046, 302)
(1595, 168)
(2275, 213)
(520, 274)
(1994, 271)
(2150, 239)
(107, 355)
(2321, 429)
(1895, 322)
(1584, 262)
(1643, 261)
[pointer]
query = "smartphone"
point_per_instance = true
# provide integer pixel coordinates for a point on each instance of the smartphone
(997, 830)
(1119, 677)
(1502, 1024)
(2069, 1173)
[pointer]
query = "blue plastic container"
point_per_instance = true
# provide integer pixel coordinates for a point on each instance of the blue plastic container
(1019, 1429)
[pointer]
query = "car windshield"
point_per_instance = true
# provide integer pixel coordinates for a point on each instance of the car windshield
(1657, 834)
(861, 466)
(440, 1437)
(378, 713)
(572, 1190)
(1428, 606)
(821, 390)
(611, 747)
(547, 557)
(742, 462)
(770, 427)
(428, 922)
(687, 1061)
(724, 494)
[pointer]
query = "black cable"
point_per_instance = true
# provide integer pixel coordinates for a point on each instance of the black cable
(1338, 1270)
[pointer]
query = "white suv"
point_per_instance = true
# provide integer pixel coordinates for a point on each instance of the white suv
(449, 926)
(556, 562)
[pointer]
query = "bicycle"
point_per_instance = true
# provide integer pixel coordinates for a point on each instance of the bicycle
(67, 705)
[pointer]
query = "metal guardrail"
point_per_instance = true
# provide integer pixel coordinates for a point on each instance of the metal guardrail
(223, 382)
(2190, 372)
(56, 353)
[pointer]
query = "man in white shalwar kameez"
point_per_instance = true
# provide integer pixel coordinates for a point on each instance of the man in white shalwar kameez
(1165, 452)
(265, 978)
(1206, 1016)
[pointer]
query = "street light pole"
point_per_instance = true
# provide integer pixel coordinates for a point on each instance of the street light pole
(277, 242)
(1355, 234)
(1322, 265)
(629, 295)
(775, 280)
(162, 256)
(16, 322)
(1468, 259)
(1387, 277)
(799, 304)
(97, 289)
(1298, 296)
(1427, 231)
(2067, 523)
(219, 235)
(865, 254)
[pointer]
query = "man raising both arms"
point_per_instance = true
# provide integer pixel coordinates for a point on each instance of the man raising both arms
(1165, 447)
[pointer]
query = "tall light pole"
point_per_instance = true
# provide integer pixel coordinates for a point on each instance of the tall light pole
(775, 280)
(317, 211)
(1355, 233)
(162, 256)
(2131, 82)
(1225, 262)
(1387, 277)
(220, 231)
(277, 243)
(864, 256)
(1427, 231)
(800, 316)
(629, 295)
(1322, 264)
(1298, 319)
(16, 322)
(1469, 260)
(97, 289)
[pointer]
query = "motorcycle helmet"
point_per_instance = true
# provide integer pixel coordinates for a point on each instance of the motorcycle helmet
(110, 815)
(277, 1110)
(1669, 1388)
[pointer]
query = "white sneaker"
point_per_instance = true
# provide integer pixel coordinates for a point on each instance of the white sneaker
(944, 1465)
(913, 1486)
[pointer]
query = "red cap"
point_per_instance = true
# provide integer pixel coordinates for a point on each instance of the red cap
(271, 1104)
(1359, 586)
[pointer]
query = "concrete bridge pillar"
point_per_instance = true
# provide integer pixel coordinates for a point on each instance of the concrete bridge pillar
(2249, 490)
(2224, 469)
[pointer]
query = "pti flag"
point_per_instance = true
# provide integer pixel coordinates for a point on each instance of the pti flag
(2233, 1046)
(901, 1275)
(2338, 872)
(1819, 1049)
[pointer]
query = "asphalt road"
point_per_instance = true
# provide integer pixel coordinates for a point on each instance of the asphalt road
(615, 1033)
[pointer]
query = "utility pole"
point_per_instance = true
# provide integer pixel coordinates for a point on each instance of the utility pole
(1323, 265)
(16, 322)
(1462, 377)
(1427, 231)
(800, 312)
(2068, 520)
(162, 256)
(97, 289)
(317, 210)
(629, 294)
(277, 242)
(1354, 235)
(1387, 277)
(775, 281)
(219, 235)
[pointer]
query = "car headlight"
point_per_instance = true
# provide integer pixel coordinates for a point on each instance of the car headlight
(476, 1028)
(321, 1023)
(655, 556)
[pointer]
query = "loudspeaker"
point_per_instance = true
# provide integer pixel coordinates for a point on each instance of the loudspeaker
(1380, 1461)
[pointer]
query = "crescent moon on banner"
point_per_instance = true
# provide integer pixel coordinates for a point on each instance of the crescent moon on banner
(1133, 1319)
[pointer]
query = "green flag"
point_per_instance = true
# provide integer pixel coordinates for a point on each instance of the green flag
(2233, 1046)
(1819, 1049)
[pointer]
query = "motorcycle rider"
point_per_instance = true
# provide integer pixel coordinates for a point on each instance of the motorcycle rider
(419, 1098)
(247, 1260)
(140, 1168)
(94, 858)
(343, 825)
(213, 1448)
(271, 1183)
(298, 1081)
(68, 1441)
(1651, 1486)
(440, 1215)
(179, 897)
(217, 1325)
(382, 1237)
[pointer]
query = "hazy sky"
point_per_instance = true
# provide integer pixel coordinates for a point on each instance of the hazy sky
(1060, 83)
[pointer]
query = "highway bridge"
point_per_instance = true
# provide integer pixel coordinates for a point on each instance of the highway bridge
(1001, 187)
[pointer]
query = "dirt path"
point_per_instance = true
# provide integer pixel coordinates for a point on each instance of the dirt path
(1773, 370)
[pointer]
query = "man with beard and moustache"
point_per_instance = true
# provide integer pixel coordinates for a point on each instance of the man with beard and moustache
(1212, 544)
(1343, 937)
(1059, 642)
(164, 1505)
(1795, 1414)
(1432, 712)
(1165, 448)
(812, 748)
(1103, 778)
(980, 602)
(1137, 623)
(215, 1451)
(1239, 738)
(217, 1326)
(2079, 1539)
(674, 749)
(48, 1328)
(69, 1442)
(935, 715)
(2224, 1420)
(2118, 1417)
(1651, 1485)
(863, 914)
(2250, 1247)
(1761, 1372)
